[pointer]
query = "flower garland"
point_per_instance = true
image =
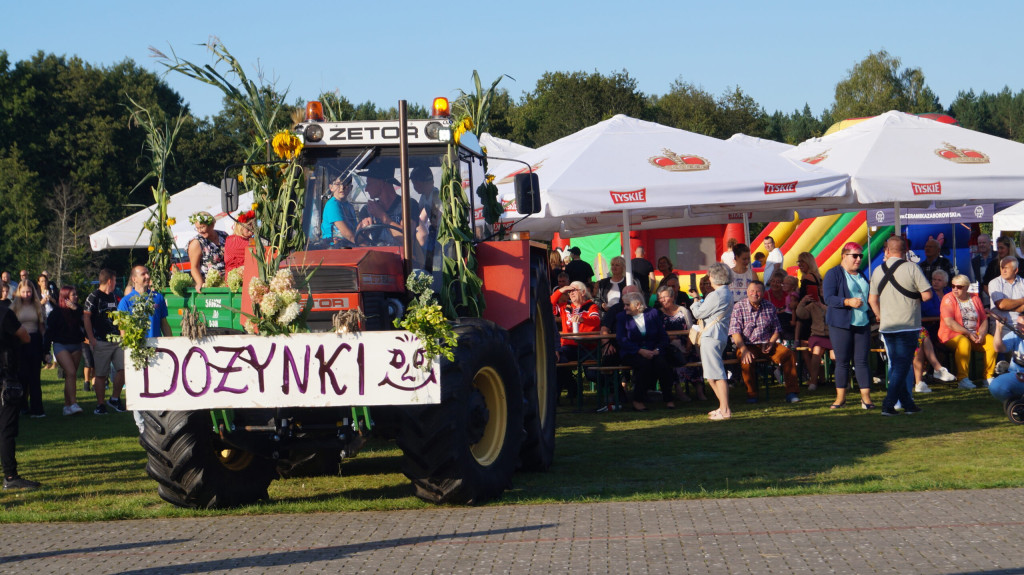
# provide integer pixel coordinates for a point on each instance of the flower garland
(201, 218)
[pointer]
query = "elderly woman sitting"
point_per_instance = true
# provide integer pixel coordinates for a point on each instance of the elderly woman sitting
(643, 345)
(963, 326)
(578, 315)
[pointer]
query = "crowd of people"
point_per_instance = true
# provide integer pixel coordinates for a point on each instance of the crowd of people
(917, 309)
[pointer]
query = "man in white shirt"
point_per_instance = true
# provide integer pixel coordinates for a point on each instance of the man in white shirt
(1007, 290)
(774, 260)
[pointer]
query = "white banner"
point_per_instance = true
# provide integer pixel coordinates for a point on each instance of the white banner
(301, 370)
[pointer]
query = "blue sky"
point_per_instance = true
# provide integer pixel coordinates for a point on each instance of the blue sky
(783, 56)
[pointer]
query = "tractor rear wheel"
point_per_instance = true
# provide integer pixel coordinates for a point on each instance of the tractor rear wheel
(534, 343)
(194, 468)
(465, 449)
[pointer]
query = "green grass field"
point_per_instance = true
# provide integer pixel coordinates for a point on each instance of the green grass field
(92, 467)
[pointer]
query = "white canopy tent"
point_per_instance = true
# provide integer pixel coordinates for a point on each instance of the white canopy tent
(624, 172)
(501, 147)
(899, 159)
(129, 233)
(1010, 220)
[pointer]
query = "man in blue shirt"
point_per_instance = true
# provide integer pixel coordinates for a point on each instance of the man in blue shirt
(158, 325)
(141, 283)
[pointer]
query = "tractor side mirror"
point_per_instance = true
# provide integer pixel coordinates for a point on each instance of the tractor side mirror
(527, 193)
(229, 195)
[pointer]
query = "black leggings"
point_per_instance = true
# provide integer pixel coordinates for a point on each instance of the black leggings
(853, 343)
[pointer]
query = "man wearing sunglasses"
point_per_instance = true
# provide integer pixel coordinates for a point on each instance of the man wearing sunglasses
(897, 289)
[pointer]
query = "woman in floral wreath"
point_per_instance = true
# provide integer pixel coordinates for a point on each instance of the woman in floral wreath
(206, 250)
(239, 241)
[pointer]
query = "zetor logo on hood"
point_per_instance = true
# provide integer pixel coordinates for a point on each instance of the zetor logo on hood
(634, 197)
(782, 188)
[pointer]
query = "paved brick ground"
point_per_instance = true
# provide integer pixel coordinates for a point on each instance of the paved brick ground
(933, 532)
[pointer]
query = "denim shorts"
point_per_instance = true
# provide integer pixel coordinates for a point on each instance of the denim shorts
(68, 347)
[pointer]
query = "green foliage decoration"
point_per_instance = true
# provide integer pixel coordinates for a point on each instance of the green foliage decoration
(427, 321)
(181, 282)
(135, 325)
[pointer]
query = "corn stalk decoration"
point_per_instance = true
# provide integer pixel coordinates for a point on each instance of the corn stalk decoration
(477, 107)
(277, 187)
(463, 288)
(158, 145)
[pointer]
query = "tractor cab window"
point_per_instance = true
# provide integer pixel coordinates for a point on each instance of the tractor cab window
(353, 199)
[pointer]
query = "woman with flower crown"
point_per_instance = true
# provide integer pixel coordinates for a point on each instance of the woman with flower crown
(239, 241)
(206, 250)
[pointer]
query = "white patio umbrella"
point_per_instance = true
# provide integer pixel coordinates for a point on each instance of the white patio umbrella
(900, 159)
(129, 232)
(646, 174)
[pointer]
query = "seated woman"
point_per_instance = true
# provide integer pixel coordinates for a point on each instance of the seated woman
(963, 327)
(609, 289)
(672, 281)
(813, 309)
(781, 299)
(643, 345)
(580, 315)
(677, 317)
(338, 224)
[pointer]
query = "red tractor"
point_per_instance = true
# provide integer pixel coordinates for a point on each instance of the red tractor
(225, 415)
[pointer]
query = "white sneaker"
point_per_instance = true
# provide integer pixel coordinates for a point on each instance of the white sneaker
(943, 375)
(898, 406)
(72, 409)
(966, 384)
(922, 387)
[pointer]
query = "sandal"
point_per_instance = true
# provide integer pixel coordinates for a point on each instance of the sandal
(717, 416)
(866, 405)
(837, 405)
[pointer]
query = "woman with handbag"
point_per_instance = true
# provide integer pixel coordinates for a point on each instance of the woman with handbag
(681, 351)
(845, 291)
(716, 311)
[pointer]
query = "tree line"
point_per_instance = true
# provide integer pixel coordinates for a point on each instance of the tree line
(71, 160)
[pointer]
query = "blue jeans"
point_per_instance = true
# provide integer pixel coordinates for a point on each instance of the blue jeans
(900, 347)
(1006, 386)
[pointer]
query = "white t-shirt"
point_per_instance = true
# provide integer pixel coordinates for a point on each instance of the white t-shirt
(772, 262)
(738, 287)
(729, 259)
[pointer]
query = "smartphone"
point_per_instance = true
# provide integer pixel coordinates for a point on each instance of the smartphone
(693, 282)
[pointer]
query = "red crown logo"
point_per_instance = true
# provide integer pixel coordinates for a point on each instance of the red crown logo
(511, 177)
(817, 157)
(960, 155)
(675, 163)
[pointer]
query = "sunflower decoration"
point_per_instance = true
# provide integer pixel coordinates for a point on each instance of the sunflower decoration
(286, 145)
(466, 125)
(201, 218)
(171, 221)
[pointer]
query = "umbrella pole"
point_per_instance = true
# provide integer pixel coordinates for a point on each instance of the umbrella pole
(625, 248)
(896, 216)
(746, 228)
(868, 246)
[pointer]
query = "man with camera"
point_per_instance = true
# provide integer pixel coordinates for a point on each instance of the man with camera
(12, 334)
